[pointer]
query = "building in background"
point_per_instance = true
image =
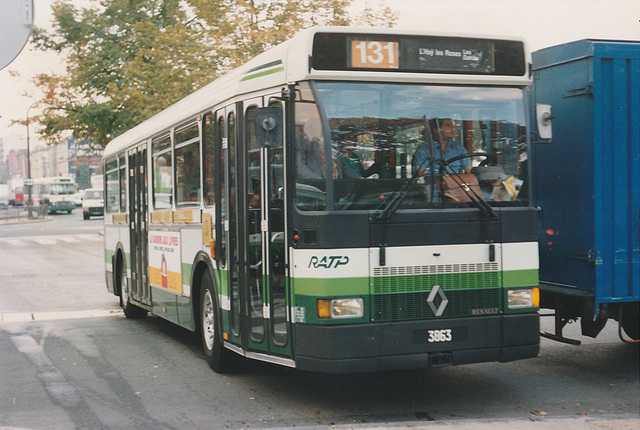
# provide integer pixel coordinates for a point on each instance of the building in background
(71, 157)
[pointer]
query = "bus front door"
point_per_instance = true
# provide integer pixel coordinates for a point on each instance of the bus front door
(138, 205)
(261, 222)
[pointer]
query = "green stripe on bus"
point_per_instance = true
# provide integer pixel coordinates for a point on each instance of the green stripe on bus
(520, 278)
(264, 66)
(414, 283)
(331, 286)
(261, 74)
(186, 273)
(108, 255)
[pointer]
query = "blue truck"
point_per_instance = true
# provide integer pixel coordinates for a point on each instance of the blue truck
(586, 184)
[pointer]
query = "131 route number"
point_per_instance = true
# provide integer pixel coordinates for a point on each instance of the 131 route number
(373, 54)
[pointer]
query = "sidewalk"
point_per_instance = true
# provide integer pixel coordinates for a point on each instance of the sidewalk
(21, 215)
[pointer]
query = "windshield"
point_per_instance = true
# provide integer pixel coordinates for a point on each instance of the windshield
(93, 194)
(358, 144)
(61, 189)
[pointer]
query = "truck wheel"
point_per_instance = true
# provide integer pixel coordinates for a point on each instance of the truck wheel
(210, 327)
(630, 316)
(130, 310)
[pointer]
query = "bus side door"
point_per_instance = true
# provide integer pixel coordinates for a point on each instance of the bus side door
(138, 205)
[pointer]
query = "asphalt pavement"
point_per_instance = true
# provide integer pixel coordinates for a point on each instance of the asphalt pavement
(568, 423)
(535, 422)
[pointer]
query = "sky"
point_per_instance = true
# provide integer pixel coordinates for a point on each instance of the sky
(542, 23)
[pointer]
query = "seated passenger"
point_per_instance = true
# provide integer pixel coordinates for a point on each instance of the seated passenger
(443, 147)
(309, 157)
(350, 165)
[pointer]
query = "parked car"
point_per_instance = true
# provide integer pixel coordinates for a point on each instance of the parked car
(92, 203)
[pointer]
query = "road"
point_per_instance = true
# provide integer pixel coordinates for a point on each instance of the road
(69, 359)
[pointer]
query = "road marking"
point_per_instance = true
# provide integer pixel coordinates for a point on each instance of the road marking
(89, 236)
(14, 242)
(69, 239)
(53, 240)
(44, 240)
(58, 315)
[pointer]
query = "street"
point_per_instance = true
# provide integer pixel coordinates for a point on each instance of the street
(69, 359)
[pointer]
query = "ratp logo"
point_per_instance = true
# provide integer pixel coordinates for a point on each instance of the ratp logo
(328, 262)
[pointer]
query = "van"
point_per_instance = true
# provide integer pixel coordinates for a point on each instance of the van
(93, 202)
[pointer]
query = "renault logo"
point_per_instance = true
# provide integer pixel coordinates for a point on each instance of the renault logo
(437, 310)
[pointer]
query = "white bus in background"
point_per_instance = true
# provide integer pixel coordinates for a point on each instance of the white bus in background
(57, 192)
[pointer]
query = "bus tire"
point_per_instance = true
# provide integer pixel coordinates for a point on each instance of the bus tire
(210, 327)
(130, 310)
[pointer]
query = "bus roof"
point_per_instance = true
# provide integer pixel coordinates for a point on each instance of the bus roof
(54, 180)
(291, 62)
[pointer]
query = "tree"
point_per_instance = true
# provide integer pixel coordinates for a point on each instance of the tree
(244, 28)
(83, 176)
(126, 60)
(380, 16)
(129, 59)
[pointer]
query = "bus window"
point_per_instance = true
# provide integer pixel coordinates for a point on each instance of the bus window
(232, 208)
(188, 165)
(123, 184)
(253, 181)
(113, 193)
(209, 160)
(311, 171)
(254, 236)
(162, 173)
(221, 210)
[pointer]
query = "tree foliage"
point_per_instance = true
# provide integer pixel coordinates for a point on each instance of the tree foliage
(380, 15)
(128, 59)
(83, 176)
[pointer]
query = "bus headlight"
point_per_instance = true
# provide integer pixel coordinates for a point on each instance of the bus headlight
(341, 308)
(523, 298)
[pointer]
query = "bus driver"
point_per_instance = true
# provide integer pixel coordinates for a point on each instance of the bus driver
(444, 147)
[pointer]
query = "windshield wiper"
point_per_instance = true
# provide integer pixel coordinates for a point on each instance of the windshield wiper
(389, 206)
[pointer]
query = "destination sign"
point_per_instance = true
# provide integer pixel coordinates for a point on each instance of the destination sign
(451, 55)
(421, 54)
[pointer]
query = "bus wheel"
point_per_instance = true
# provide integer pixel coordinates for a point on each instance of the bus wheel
(130, 310)
(210, 327)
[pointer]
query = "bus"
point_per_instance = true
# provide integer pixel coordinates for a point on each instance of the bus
(233, 214)
(57, 192)
(18, 196)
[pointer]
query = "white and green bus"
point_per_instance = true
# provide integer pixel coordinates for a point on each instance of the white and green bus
(283, 213)
(57, 192)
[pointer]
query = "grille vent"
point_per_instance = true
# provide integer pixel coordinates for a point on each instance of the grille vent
(432, 269)
(400, 293)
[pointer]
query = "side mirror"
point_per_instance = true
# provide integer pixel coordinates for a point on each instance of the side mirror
(544, 118)
(268, 126)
